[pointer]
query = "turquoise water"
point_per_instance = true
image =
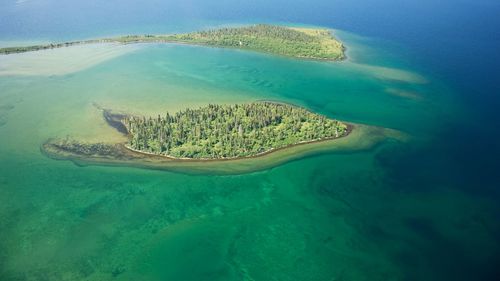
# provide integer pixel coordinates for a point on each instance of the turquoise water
(414, 210)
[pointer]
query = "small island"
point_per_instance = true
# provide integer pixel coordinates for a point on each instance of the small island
(229, 131)
(307, 43)
(210, 139)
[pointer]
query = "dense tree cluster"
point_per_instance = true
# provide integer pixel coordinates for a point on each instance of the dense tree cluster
(273, 39)
(227, 131)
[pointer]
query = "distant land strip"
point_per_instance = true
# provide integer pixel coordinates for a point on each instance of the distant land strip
(295, 42)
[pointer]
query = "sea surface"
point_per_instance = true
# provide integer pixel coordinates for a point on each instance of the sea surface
(426, 208)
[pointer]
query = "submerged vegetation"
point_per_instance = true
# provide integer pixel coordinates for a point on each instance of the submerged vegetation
(230, 131)
(311, 43)
(83, 148)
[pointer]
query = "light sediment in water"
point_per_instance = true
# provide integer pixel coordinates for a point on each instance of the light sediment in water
(389, 73)
(61, 61)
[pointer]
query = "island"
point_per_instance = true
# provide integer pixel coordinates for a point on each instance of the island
(211, 139)
(230, 131)
(295, 42)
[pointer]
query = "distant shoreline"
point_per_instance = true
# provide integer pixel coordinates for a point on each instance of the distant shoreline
(313, 43)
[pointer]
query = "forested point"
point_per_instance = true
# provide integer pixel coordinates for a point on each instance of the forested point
(310, 43)
(229, 131)
(288, 41)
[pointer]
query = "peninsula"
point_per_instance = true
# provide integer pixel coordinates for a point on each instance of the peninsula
(307, 43)
(229, 131)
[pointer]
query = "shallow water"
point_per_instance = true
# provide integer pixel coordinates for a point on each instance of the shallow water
(60, 61)
(399, 211)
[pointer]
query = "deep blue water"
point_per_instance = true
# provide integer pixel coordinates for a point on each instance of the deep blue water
(455, 41)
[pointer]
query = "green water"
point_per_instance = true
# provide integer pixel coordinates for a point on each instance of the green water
(328, 217)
